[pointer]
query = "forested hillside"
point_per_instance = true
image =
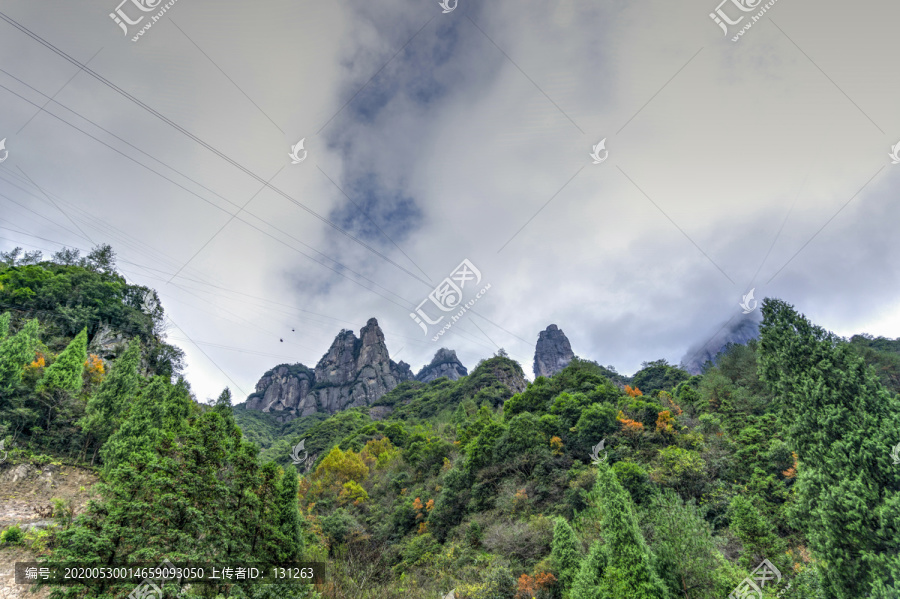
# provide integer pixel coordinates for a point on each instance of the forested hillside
(585, 485)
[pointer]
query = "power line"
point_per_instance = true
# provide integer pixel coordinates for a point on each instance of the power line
(199, 141)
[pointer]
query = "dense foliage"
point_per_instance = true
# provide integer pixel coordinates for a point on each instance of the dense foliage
(780, 451)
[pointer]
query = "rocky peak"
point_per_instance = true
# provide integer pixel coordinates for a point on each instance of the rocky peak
(445, 363)
(353, 372)
(552, 353)
(338, 365)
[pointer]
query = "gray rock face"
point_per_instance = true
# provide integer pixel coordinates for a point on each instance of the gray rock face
(553, 352)
(739, 332)
(445, 363)
(108, 343)
(353, 372)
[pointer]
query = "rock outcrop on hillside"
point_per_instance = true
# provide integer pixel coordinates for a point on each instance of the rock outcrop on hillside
(552, 353)
(739, 332)
(445, 363)
(353, 372)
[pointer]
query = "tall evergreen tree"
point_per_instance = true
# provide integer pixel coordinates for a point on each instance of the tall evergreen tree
(586, 584)
(289, 516)
(4, 325)
(629, 570)
(565, 555)
(157, 411)
(65, 372)
(842, 423)
(104, 409)
(15, 352)
(686, 556)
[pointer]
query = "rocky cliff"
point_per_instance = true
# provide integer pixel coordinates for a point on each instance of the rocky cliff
(738, 332)
(552, 353)
(445, 363)
(353, 372)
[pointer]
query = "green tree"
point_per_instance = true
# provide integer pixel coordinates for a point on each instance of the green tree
(289, 516)
(15, 352)
(842, 423)
(754, 531)
(629, 570)
(587, 583)
(65, 372)
(4, 325)
(565, 555)
(687, 558)
(104, 409)
(157, 411)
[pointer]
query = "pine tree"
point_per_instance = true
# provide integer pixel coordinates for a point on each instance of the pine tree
(157, 411)
(687, 558)
(842, 424)
(586, 584)
(754, 531)
(15, 352)
(104, 409)
(565, 555)
(65, 372)
(289, 516)
(629, 570)
(4, 325)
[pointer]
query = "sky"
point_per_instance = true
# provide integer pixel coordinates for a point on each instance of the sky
(431, 138)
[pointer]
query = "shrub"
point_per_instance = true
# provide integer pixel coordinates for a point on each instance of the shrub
(12, 536)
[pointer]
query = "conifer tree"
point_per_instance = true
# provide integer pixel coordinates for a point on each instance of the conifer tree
(755, 533)
(842, 424)
(157, 411)
(65, 372)
(289, 516)
(4, 325)
(15, 352)
(629, 570)
(586, 584)
(686, 555)
(565, 555)
(104, 409)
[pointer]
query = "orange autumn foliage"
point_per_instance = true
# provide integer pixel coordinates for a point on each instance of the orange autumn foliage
(664, 423)
(39, 362)
(630, 427)
(632, 392)
(792, 471)
(529, 587)
(94, 368)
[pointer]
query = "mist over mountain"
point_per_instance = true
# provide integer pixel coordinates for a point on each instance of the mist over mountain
(739, 330)
(531, 489)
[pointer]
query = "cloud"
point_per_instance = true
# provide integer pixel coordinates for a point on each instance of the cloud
(467, 135)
